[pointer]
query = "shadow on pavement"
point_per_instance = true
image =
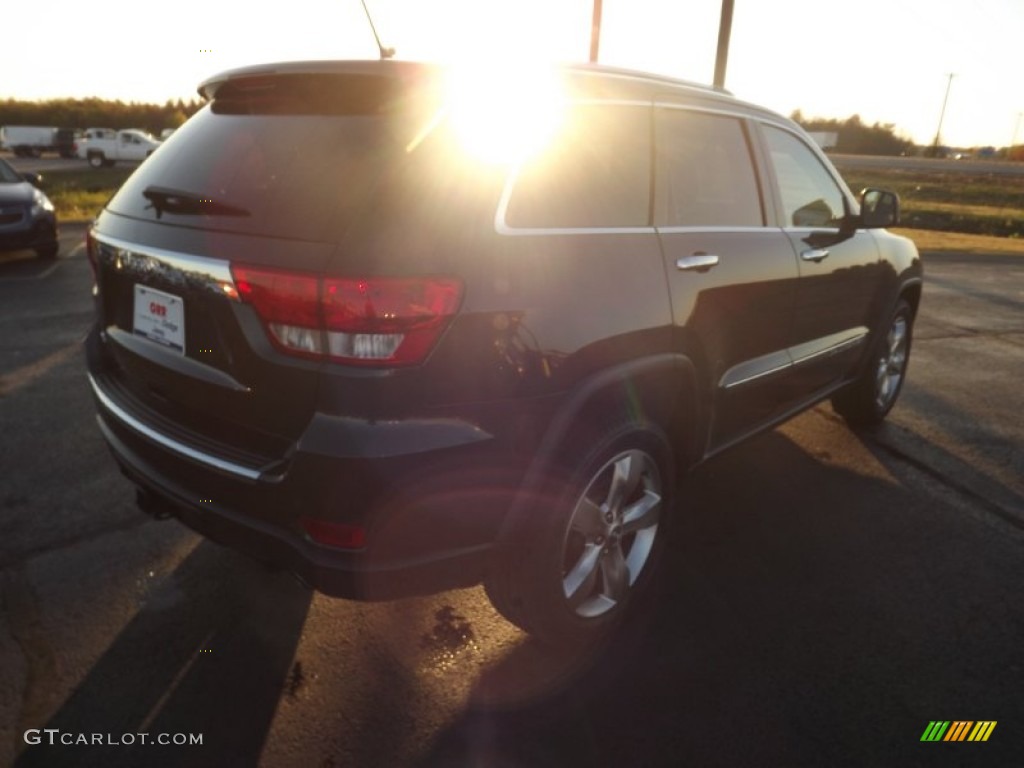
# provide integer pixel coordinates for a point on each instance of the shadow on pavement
(808, 616)
(208, 654)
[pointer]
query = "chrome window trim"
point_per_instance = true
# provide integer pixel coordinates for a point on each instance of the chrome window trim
(204, 267)
(173, 445)
(813, 230)
(683, 230)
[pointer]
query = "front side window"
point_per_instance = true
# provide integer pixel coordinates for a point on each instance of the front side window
(810, 196)
(706, 174)
(594, 174)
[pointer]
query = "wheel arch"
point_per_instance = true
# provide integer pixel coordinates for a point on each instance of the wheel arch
(659, 389)
(911, 293)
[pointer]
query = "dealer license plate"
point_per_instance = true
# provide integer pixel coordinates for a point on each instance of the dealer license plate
(160, 317)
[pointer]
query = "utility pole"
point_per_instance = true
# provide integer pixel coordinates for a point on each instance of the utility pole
(724, 33)
(1016, 127)
(942, 114)
(595, 32)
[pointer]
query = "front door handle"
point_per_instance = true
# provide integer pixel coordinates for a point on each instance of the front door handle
(698, 262)
(814, 254)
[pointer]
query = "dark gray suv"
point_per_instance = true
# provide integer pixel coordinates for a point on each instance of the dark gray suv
(334, 335)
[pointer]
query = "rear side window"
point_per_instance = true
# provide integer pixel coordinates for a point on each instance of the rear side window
(595, 174)
(810, 196)
(706, 175)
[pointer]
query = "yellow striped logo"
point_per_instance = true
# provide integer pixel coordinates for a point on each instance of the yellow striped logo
(958, 730)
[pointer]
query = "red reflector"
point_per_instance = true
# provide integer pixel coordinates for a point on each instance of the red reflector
(340, 535)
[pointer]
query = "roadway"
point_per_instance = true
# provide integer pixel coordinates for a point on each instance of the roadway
(829, 593)
(46, 163)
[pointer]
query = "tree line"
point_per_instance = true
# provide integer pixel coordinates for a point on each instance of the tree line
(857, 137)
(94, 112)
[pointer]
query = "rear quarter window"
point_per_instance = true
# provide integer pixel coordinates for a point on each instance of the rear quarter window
(596, 173)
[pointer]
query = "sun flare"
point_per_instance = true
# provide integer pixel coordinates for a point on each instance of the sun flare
(502, 114)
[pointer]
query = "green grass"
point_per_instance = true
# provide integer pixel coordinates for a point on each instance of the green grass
(81, 194)
(988, 189)
(929, 241)
(979, 204)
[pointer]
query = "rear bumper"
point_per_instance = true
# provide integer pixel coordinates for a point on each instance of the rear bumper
(431, 514)
(353, 575)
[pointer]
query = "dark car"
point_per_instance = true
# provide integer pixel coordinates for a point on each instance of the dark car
(338, 330)
(27, 218)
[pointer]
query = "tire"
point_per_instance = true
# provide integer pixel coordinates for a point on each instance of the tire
(96, 160)
(868, 400)
(572, 562)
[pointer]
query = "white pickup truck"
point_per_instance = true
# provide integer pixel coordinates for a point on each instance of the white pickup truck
(102, 146)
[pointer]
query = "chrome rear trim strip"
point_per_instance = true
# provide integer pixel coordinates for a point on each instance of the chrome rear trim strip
(170, 444)
(145, 258)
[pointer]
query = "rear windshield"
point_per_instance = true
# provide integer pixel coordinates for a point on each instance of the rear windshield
(289, 158)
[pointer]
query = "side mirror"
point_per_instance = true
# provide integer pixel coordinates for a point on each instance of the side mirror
(34, 179)
(879, 208)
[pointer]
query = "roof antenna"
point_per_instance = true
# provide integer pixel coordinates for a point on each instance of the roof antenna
(385, 53)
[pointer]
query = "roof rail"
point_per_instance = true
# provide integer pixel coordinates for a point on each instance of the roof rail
(604, 69)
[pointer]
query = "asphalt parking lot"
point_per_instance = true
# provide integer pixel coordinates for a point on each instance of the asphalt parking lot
(830, 593)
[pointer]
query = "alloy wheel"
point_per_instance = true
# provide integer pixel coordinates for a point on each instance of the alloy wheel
(892, 364)
(611, 533)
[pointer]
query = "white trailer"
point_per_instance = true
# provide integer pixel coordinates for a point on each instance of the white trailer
(28, 140)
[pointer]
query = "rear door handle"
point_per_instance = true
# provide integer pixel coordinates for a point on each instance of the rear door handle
(814, 254)
(698, 262)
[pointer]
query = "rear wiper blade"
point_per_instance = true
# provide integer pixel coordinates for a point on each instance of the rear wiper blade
(167, 200)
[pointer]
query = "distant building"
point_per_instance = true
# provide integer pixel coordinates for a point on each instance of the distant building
(825, 139)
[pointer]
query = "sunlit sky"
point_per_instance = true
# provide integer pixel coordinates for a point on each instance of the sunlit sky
(885, 60)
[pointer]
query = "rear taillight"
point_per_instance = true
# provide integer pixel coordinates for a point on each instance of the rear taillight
(382, 321)
(396, 320)
(289, 305)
